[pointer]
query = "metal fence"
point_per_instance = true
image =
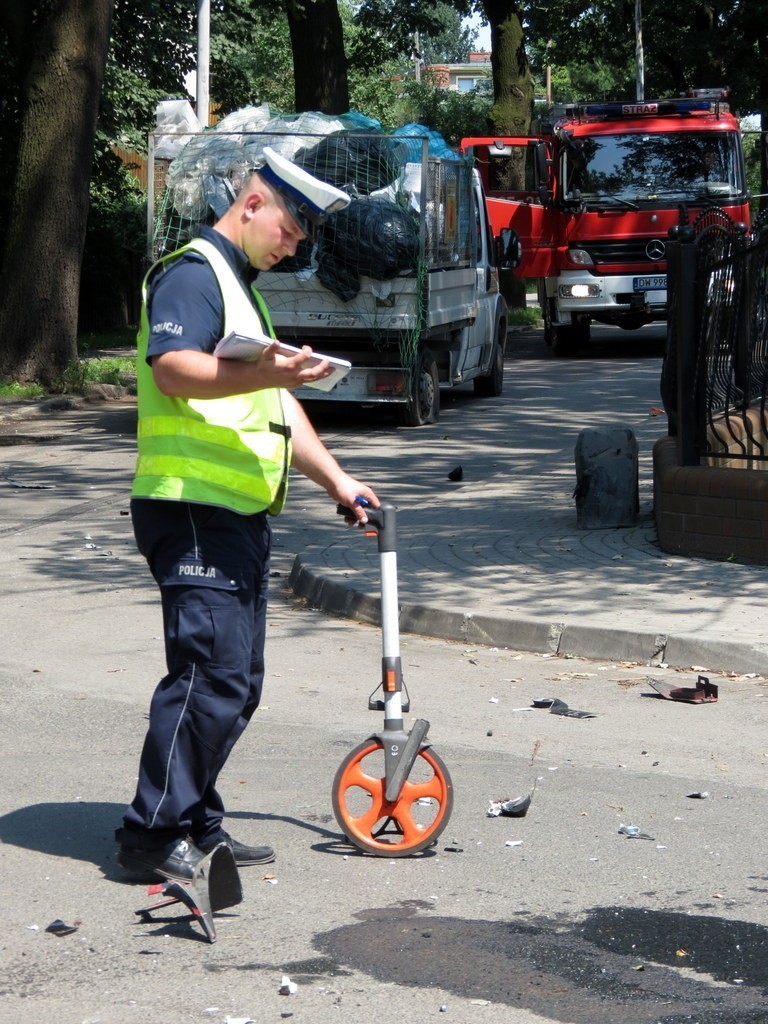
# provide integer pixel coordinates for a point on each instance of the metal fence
(714, 381)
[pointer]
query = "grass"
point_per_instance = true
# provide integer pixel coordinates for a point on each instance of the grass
(527, 317)
(108, 369)
(90, 369)
(20, 391)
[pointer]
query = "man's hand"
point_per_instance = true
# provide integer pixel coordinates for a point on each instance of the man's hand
(294, 369)
(355, 496)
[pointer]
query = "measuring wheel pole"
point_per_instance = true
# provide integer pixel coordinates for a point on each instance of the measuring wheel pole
(400, 748)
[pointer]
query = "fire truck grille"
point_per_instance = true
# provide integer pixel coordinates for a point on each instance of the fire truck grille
(629, 250)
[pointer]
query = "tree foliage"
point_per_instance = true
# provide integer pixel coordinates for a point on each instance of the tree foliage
(451, 43)
(251, 59)
(152, 49)
(455, 115)
(694, 45)
(388, 27)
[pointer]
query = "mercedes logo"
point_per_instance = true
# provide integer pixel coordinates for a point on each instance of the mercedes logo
(656, 249)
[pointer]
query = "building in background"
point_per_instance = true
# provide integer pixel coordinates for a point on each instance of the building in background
(475, 74)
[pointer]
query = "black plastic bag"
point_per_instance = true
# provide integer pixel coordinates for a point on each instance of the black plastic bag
(369, 238)
(359, 164)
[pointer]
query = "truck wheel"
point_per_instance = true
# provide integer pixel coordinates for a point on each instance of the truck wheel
(423, 405)
(546, 312)
(567, 339)
(564, 341)
(492, 384)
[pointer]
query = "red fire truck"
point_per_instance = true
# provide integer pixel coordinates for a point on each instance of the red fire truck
(602, 185)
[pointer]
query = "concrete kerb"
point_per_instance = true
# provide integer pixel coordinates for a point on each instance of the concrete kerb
(336, 598)
(716, 655)
(12, 409)
(556, 638)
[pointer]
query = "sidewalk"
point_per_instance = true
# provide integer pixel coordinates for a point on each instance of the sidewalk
(494, 559)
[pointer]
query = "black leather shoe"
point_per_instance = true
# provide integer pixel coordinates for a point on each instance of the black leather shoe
(244, 855)
(176, 860)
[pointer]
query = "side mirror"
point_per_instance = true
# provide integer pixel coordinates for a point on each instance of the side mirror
(509, 249)
(543, 166)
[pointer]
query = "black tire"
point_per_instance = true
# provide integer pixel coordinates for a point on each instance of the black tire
(546, 312)
(567, 339)
(492, 384)
(564, 340)
(423, 405)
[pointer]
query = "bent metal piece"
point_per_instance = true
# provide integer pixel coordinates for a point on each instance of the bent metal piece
(214, 886)
(703, 692)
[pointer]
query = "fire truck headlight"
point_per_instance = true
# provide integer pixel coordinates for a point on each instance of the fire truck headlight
(579, 291)
(580, 257)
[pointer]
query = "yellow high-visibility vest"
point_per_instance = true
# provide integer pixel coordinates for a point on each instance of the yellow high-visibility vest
(232, 452)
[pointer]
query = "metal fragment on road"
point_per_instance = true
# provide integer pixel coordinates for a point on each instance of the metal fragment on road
(559, 707)
(633, 832)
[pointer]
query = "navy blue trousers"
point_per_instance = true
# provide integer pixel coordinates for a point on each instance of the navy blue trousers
(212, 568)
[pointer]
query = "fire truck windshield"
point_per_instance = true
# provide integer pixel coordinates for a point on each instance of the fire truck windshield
(641, 167)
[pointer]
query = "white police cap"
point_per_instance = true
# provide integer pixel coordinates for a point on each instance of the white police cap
(309, 200)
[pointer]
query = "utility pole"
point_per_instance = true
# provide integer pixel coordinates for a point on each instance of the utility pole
(203, 100)
(639, 59)
(416, 57)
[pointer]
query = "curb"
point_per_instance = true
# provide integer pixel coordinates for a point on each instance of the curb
(555, 638)
(13, 409)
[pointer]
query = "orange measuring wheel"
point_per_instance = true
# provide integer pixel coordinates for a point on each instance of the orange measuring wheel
(391, 828)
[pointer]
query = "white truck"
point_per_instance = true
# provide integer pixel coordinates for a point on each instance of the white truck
(403, 283)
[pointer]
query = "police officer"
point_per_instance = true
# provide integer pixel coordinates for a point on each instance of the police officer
(216, 438)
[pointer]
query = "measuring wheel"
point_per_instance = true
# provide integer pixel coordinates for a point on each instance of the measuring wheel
(391, 828)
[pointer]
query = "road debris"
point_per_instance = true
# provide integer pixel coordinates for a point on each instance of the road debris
(703, 692)
(559, 707)
(633, 832)
(61, 928)
(517, 807)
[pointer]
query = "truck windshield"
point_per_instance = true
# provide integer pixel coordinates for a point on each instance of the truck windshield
(635, 167)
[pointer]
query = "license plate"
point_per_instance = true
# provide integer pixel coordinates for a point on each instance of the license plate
(650, 284)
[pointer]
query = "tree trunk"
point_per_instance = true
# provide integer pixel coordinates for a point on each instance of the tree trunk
(512, 105)
(319, 61)
(64, 52)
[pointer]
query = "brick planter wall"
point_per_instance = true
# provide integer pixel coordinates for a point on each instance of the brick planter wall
(710, 511)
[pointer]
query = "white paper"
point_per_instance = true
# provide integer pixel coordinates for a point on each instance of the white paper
(239, 346)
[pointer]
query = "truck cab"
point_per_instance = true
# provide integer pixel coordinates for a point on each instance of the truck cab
(593, 196)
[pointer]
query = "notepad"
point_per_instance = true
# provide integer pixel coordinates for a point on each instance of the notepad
(250, 347)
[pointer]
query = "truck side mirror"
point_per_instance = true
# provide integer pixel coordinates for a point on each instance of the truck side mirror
(509, 249)
(543, 167)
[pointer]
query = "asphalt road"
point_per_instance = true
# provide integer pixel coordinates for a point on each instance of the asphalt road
(554, 917)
